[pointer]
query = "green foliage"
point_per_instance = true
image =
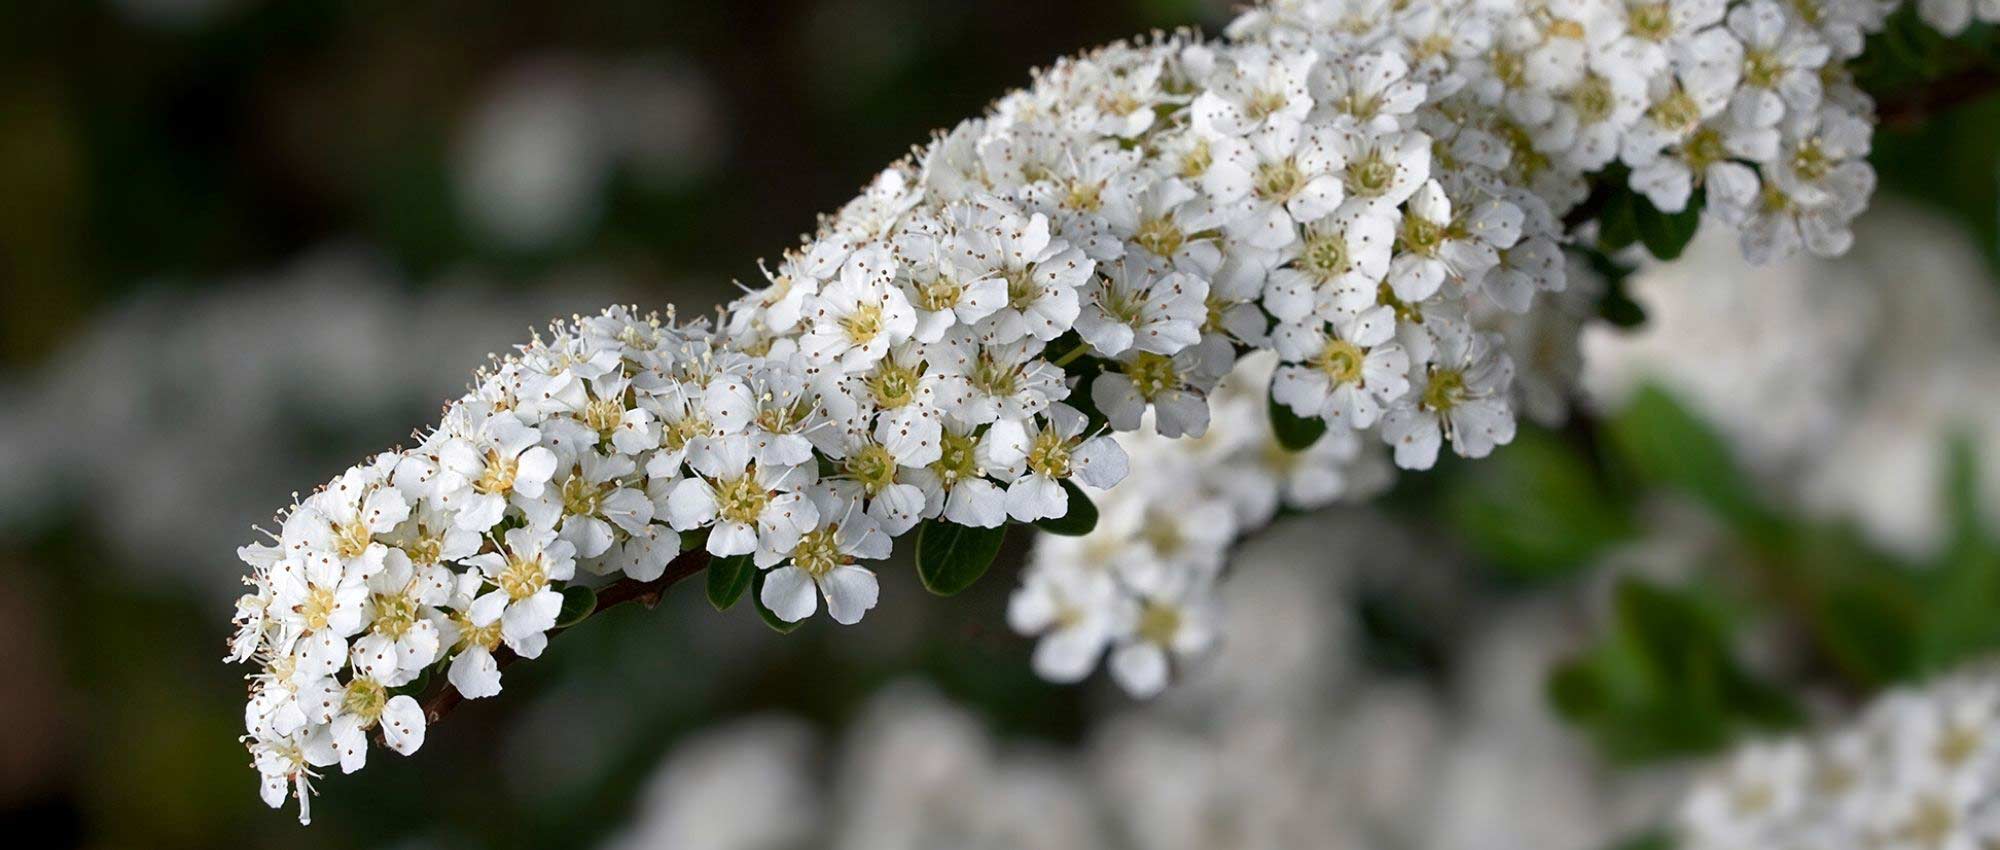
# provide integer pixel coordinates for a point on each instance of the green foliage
(1664, 680)
(727, 579)
(1615, 305)
(950, 557)
(577, 603)
(1538, 509)
(1662, 443)
(1665, 234)
(1082, 516)
(1296, 433)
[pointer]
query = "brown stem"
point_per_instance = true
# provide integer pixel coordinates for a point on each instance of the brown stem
(443, 697)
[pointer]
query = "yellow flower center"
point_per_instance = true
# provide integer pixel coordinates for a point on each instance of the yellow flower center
(741, 499)
(524, 576)
(1160, 235)
(317, 608)
(862, 325)
(873, 468)
(958, 458)
(818, 552)
(1446, 390)
(498, 479)
(1370, 175)
(1278, 181)
(365, 699)
(1341, 361)
(1152, 374)
(1650, 21)
(1049, 455)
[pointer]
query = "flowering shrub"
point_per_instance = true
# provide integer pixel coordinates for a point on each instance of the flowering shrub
(1249, 275)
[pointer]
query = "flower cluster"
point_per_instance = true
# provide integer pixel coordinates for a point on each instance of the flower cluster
(1142, 582)
(1374, 193)
(1921, 768)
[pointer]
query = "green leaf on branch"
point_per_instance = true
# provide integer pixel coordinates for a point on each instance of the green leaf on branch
(950, 557)
(1667, 234)
(770, 617)
(577, 603)
(1082, 516)
(1296, 433)
(727, 579)
(1664, 682)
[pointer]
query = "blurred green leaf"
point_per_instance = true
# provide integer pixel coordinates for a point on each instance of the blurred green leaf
(1663, 681)
(1294, 432)
(1536, 510)
(1082, 516)
(950, 557)
(1663, 444)
(1667, 234)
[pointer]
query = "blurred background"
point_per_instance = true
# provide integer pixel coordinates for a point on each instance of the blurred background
(246, 241)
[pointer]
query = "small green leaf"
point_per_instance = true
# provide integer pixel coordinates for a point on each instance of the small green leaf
(770, 618)
(1082, 516)
(1663, 443)
(951, 557)
(1667, 234)
(1617, 226)
(727, 579)
(1296, 433)
(577, 603)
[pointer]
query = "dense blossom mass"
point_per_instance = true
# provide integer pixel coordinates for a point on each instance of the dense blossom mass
(1920, 769)
(1352, 213)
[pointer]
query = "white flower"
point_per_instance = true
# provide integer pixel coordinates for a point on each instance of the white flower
(590, 503)
(483, 469)
(857, 317)
(1173, 620)
(1462, 396)
(751, 506)
(1254, 87)
(822, 563)
(1371, 92)
(523, 573)
(1175, 387)
(1140, 304)
(1275, 179)
(981, 383)
(874, 474)
(1383, 170)
(955, 485)
(1344, 373)
(403, 636)
(944, 293)
(344, 518)
(1782, 58)
(1434, 245)
(1042, 273)
(1039, 454)
(1074, 612)
(1166, 219)
(317, 602)
(1336, 267)
(1654, 28)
